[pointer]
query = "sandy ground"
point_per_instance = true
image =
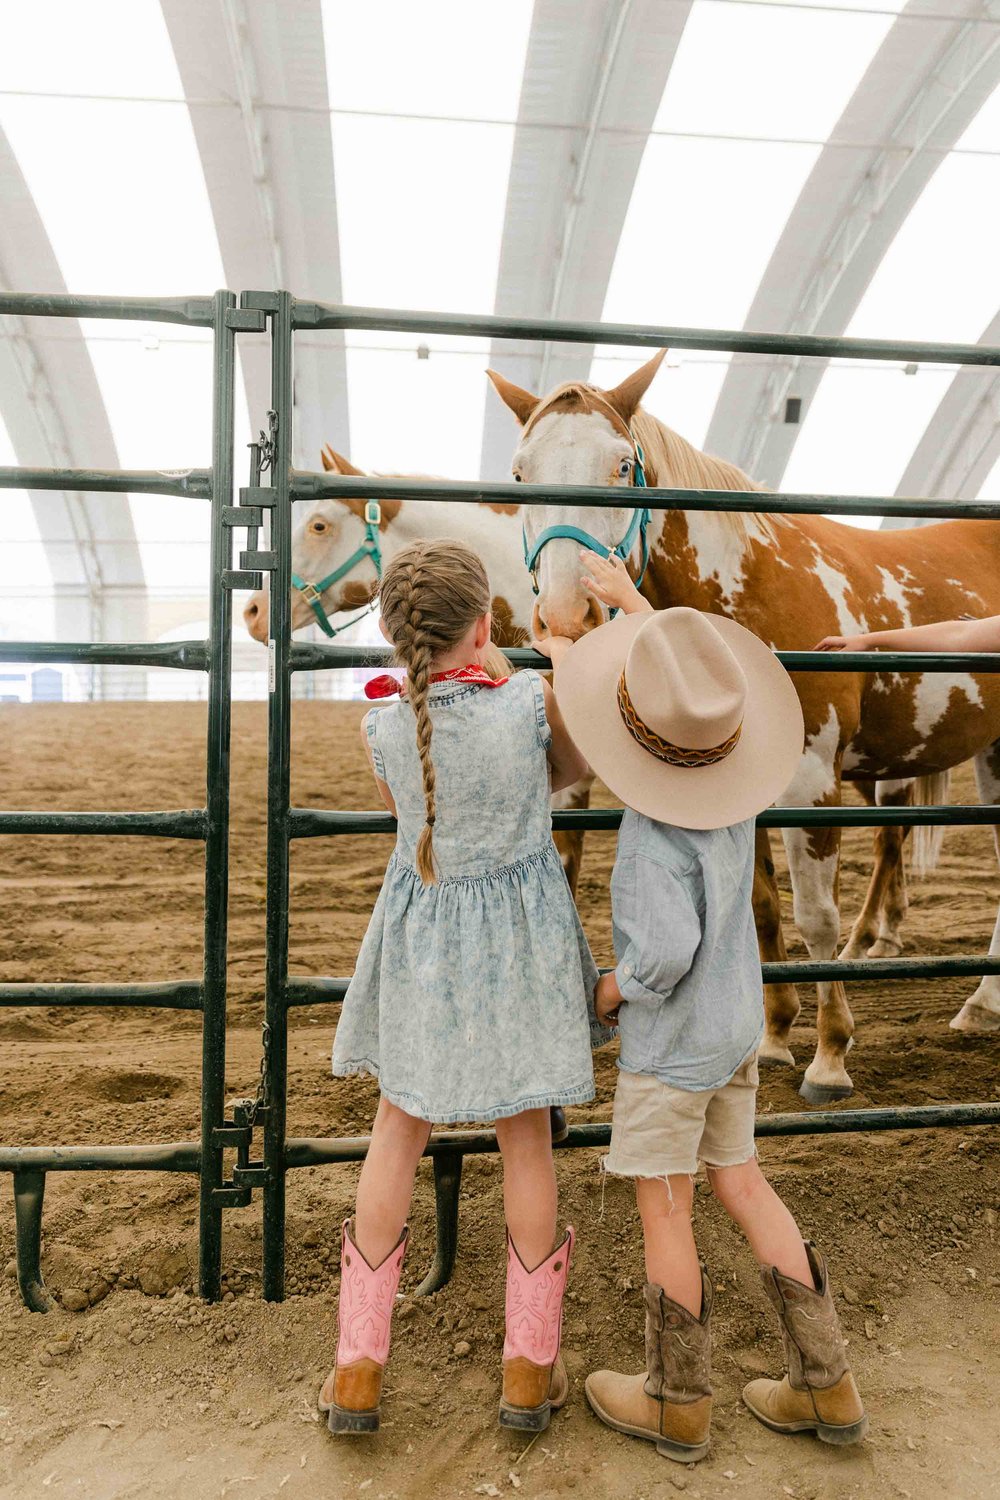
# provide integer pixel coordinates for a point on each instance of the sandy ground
(149, 1392)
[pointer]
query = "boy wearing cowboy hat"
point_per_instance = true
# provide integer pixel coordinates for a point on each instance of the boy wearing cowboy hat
(694, 724)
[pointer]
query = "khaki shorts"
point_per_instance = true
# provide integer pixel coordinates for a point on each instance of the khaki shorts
(658, 1130)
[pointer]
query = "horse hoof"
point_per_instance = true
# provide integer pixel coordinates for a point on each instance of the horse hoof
(884, 948)
(975, 1020)
(781, 1057)
(824, 1093)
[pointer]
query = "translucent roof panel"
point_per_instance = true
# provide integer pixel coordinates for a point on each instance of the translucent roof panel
(706, 212)
(26, 600)
(421, 209)
(120, 189)
(937, 281)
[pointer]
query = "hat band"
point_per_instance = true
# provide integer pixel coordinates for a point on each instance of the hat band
(665, 750)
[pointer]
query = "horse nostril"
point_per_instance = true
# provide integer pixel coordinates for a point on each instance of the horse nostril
(250, 612)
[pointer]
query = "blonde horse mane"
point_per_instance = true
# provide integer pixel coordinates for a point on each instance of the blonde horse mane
(677, 464)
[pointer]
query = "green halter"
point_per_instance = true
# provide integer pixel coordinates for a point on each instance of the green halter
(370, 547)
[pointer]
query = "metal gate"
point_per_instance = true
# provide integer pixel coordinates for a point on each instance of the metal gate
(281, 315)
(210, 824)
(448, 1147)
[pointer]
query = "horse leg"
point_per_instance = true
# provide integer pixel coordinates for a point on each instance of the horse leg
(889, 844)
(814, 858)
(781, 1001)
(980, 1014)
(876, 931)
(569, 841)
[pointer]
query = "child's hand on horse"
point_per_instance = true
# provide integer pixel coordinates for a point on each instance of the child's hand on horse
(609, 582)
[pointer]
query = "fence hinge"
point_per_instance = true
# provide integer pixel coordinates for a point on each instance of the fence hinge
(246, 319)
(263, 301)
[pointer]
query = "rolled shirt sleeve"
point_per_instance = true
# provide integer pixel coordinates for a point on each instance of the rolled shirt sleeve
(657, 930)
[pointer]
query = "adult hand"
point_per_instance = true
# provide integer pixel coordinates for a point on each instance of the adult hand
(610, 582)
(844, 643)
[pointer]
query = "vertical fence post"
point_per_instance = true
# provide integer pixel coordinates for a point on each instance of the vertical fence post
(278, 791)
(213, 1035)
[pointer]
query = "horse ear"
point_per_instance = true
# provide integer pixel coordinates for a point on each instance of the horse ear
(625, 398)
(336, 463)
(522, 403)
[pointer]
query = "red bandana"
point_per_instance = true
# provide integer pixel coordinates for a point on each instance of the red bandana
(387, 686)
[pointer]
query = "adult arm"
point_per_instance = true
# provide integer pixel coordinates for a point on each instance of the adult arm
(942, 635)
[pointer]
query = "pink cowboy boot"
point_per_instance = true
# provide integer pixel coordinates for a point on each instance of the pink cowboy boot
(534, 1377)
(352, 1391)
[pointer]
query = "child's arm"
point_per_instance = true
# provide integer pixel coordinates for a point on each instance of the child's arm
(383, 790)
(658, 932)
(610, 582)
(943, 635)
(565, 760)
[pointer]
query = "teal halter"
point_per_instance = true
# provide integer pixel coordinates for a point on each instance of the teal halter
(637, 527)
(370, 547)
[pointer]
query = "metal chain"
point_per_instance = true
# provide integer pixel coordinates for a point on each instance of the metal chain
(263, 1095)
(268, 441)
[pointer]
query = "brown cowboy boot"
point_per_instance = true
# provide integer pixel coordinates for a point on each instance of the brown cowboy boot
(818, 1394)
(671, 1405)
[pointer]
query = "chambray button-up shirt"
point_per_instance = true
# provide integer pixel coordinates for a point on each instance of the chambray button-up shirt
(688, 963)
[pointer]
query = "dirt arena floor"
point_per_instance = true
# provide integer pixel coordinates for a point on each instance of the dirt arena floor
(148, 1392)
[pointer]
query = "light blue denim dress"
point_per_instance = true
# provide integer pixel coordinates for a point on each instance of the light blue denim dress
(473, 998)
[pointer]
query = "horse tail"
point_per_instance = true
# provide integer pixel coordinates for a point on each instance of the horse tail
(929, 791)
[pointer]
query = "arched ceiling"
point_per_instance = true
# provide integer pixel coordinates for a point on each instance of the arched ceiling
(923, 88)
(512, 159)
(52, 407)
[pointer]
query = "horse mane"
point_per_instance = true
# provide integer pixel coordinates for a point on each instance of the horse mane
(677, 464)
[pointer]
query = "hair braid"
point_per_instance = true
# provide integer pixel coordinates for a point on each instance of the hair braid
(431, 593)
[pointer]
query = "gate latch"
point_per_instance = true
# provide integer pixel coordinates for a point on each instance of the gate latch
(237, 1134)
(254, 500)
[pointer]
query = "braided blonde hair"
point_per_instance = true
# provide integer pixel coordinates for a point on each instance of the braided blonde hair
(431, 593)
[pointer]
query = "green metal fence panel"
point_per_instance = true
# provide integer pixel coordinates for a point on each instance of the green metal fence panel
(204, 1157)
(286, 823)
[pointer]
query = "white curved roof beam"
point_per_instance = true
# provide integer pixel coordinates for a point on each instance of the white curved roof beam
(55, 414)
(604, 66)
(924, 86)
(962, 440)
(255, 76)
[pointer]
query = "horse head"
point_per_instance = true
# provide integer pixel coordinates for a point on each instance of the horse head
(336, 551)
(578, 435)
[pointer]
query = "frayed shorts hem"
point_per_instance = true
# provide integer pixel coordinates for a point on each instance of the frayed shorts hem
(658, 1171)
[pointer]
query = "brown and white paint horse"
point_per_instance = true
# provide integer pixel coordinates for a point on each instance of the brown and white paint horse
(332, 530)
(790, 579)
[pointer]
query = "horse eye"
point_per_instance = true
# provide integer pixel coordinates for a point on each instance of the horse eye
(319, 527)
(624, 468)
(517, 477)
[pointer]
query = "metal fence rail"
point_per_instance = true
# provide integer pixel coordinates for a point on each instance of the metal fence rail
(285, 823)
(210, 824)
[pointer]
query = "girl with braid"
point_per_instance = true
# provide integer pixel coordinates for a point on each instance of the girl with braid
(473, 993)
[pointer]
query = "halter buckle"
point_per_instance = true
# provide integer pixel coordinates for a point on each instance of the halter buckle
(310, 594)
(373, 513)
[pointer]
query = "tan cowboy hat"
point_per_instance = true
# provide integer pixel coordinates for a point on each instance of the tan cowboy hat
(687, 717)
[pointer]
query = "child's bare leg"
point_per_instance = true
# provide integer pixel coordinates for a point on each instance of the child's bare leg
(774, 1236)
(671, 1253)
(386, 1183)
(529, 1183)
